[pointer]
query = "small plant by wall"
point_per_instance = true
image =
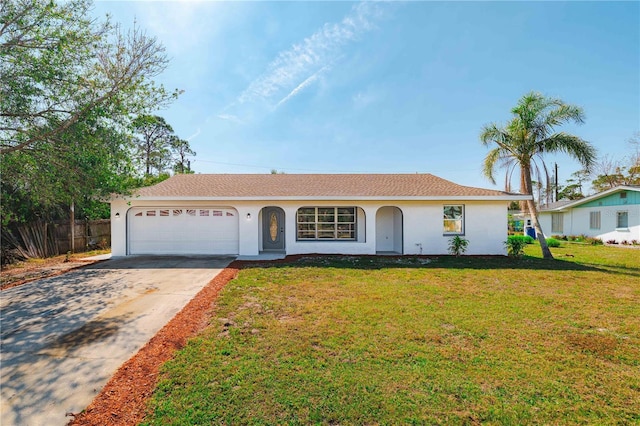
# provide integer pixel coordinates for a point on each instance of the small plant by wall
(515, 246)
(458, 245)
(594, 241)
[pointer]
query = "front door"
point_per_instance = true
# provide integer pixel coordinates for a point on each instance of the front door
(272, 228)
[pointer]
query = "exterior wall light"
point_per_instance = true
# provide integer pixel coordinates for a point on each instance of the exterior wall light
(248, 216)
(117, 215)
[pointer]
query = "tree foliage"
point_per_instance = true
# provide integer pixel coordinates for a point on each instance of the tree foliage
(574, 189)
(159, 148)
(181, 153)
(69, 85)
(611, 173)
(524, 140)
(153, 142)
(58, 65)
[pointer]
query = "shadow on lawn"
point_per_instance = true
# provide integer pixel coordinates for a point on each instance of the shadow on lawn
(462, 262)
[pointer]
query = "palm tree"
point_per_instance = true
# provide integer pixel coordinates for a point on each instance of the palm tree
(524, 140)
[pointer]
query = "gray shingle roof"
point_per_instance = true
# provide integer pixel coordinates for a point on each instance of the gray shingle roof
(312, 185)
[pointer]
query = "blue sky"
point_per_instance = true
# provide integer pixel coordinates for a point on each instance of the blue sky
(400, 87)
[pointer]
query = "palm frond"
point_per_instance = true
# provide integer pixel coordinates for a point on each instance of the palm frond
(489, 164)
(571, 145)
(564, 113)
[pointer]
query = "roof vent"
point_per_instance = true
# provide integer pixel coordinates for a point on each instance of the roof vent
(623, 195)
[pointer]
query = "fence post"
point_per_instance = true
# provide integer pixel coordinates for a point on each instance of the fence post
(72, 222)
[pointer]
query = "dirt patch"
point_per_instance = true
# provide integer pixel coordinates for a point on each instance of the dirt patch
(25, 272)
(123, 399)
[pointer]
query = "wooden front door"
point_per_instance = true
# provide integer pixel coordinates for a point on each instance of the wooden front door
(272, 228)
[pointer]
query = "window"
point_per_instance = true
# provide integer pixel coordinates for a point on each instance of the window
(623, 195)
(326, 223)
(453, 219)
(622, 219)
(557, 222)
(594, 220)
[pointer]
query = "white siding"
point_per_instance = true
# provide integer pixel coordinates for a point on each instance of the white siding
(577, 222)
(422, 226)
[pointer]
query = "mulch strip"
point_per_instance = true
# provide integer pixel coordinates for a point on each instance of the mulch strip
(123, 399)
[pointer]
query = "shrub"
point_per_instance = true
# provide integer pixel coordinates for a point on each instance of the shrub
(595, 241)
(458, 245)
(624, 242)
(562, 237)
(635, 242)
(552, 242)
(612, 242)
(515, 246)
(526, 238)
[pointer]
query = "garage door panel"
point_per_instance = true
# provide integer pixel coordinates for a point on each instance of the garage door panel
(162, 230)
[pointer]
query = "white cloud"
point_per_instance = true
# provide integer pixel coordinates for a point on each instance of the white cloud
(180, 25)
(299, 66)
(195, 135)
(230, 117)
(365, 98)
(302, 86)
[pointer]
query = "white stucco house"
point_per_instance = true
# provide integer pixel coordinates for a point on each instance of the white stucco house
(249, 214)
(613, 214)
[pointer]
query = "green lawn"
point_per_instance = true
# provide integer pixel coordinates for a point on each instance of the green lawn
(381, 341)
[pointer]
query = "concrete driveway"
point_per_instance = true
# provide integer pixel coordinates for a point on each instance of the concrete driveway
(64, 337)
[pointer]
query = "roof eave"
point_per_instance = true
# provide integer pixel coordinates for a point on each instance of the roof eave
(514, 197)
(590, 198)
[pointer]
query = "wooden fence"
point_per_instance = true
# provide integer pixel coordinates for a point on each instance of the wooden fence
(44, 239)
(88, 235)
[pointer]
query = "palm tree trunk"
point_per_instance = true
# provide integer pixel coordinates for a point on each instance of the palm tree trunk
(546, 253)
(533, 210)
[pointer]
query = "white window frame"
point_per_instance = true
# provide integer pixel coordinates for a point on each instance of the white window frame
(619, 215)
(449, 219)
(313, 224)
(557, 223)
(595, 220)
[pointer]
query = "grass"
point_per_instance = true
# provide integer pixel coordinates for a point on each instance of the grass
(349, 340)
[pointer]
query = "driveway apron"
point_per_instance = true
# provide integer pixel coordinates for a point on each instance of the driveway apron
(62, 338)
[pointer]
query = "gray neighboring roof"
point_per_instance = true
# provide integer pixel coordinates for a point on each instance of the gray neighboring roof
(566, 205)
(323, 186)
(556, 205)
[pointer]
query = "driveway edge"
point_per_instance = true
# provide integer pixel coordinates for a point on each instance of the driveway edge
(122, 401)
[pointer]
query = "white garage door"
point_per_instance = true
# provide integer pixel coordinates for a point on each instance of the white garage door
(201, 230)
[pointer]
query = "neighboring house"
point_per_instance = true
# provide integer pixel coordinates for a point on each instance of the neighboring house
(613, 214)
(297, 214)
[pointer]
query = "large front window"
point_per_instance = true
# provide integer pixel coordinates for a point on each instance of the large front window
(326, 223)
(453, 219)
